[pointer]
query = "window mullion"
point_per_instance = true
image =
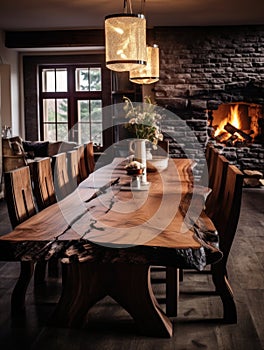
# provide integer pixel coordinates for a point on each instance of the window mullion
(56, 120)
(72, 109)
(90, 119)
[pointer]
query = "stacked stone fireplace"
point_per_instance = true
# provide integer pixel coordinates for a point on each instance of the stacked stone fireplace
(204, 71)
(243, 142)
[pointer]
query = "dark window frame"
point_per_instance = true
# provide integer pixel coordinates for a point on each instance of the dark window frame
(72, 95)
(31, 65)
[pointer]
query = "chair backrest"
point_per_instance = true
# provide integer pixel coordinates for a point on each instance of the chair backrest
(43, 183)
(227, 219)
(73, 168)
(83, 174)
(60, 176)
(212, 165)
(19, 196)
(89, 157)
(208, 152)
(204, 163)
(214, 200)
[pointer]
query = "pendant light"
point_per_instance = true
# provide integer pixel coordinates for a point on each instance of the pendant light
(125, 40)
(150, 73)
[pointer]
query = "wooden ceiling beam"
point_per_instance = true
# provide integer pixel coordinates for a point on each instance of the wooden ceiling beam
(54, 38)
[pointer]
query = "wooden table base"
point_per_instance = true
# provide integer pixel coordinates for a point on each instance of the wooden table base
(84, 284)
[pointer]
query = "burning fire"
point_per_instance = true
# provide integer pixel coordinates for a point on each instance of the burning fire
(232, 118)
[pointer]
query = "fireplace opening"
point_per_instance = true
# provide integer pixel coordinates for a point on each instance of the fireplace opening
(237, 124)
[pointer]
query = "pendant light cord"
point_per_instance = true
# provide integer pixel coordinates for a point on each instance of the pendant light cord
(143, 3)
(127, 3)
(128, 6)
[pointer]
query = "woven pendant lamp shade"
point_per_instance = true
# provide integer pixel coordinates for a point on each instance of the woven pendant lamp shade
(125, 42)
(150, 73)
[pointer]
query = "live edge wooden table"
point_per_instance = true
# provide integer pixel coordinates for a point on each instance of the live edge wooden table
(107, 236)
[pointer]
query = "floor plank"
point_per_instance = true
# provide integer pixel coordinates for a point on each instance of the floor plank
(109, 327)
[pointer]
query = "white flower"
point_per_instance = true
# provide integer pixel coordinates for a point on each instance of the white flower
(144, 120)
(133, 121)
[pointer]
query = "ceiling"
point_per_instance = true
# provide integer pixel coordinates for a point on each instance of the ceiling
(86, 14)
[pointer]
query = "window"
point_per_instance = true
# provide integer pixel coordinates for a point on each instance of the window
(88, 79)
(54, 79)
(90, 120)
(55, 86)
(71, 103)
(55, 119)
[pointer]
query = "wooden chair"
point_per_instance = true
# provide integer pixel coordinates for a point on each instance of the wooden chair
(226, 224)
(21, 206)
(60, 176)
(43, 183)
(227, 217)
(204, 180)
(44, 193)
(73, 168)
(208, 153)
(214, 200)
(19, 195)
(83, 174)
(212, 160)
(225, 221)
(89, 157)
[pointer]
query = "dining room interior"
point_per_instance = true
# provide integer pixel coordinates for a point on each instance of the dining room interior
(132, 174)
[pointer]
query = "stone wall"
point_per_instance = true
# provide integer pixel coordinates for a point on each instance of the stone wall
(203, 67)
(251, 157)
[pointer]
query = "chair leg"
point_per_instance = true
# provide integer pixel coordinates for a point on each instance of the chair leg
(19, 292)
(181, 273)
(40, 272)
(53, 268)
(172, 291)
(225, 291)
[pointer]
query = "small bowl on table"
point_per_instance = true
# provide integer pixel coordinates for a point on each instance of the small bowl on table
(157, 163)
(134, 172)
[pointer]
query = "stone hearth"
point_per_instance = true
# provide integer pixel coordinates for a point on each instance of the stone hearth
(202, 68)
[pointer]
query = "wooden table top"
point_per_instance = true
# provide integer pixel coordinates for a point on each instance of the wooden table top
(118, 218)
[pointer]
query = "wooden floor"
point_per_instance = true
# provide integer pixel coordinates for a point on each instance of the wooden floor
(110, 327)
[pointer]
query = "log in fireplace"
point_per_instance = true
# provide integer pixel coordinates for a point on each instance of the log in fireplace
(237, 124)
(237, 130)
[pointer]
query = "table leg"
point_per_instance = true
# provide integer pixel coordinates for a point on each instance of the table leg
(172, 290)
(128, 284)
(131, 288)
(83, 285)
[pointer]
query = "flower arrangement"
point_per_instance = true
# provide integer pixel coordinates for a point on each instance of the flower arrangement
(143, 120)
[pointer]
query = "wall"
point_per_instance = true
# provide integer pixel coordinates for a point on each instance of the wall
(203, 67)
(14, 118)
(200, 68)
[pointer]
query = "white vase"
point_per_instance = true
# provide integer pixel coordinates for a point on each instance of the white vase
(138, 148)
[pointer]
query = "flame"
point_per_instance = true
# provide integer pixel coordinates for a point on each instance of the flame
(232, 118)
